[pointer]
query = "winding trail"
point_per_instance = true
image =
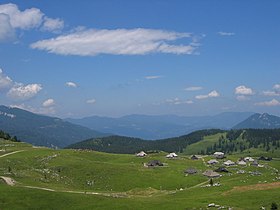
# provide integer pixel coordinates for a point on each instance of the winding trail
(11, 153)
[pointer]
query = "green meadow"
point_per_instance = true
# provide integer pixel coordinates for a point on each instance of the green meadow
(76, 179)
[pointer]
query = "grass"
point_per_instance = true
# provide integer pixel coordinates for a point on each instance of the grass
(206, 142)
(124, 183)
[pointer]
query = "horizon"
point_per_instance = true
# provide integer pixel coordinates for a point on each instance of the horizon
(118, 58)
(159, 115)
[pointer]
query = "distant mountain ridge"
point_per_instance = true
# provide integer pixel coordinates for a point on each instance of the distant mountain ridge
(260, 121)
(160, 126)
(42, 130)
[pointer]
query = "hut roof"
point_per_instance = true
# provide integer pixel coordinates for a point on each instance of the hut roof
(213, 161)
(194, 157)
(221, 169)
(229, 163)
(172, 155)
(211, 174)
(190, 171)
(155, 163)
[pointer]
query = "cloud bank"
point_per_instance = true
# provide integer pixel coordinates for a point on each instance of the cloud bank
(273, 102)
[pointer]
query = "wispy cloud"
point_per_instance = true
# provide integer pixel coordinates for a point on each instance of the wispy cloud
(273, 102)
(194, 88)
(139, 41)
(212, 94)
(153, 77)
(91, 101)
(12, 19)
(242, 98)
(40, 110)
(271, 93)
(51, 24)
(177, 101)
(49, 102)
(274, 92)
(222, 33)
(71, 84)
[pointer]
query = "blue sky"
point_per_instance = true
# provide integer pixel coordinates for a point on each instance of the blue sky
(113, 58)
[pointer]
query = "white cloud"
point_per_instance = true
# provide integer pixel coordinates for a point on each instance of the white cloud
(212, 94)
(194, 88)
(276, 87)
(243, 90)
(49, 102)
(153, 77)
(7, 32)
(222, 33)
(51, 24)
(91, 101)
(29, 18)
(23, 92)
(11, 18)
(177, 101)
(273, 102)
(137, 41)
(71, 84)
(5, 81)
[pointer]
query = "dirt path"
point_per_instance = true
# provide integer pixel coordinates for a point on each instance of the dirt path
(8, 180)
(11, 153)
(198, 185)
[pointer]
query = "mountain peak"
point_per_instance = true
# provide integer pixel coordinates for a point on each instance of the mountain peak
(260, 121)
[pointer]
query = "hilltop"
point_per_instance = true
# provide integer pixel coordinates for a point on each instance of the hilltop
(42, 130)
(259, 121)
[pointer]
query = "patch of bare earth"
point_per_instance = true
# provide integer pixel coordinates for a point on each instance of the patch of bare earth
(264, 186)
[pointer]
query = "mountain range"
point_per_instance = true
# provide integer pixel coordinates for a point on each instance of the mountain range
(42, 130)
(160, 126)
(55, 132)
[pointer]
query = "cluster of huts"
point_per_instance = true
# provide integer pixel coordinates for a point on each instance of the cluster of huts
(209, 173)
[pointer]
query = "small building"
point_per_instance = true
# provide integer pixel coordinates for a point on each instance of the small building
(229, 163)
(212, 162)
(154, 163)
(194, 157)
(255, 163)
(221, 169)
(219, 155)
(242, 163)
(141, 154)
(190, 171)
(249, 159)
(171, 155)
(265, 158)
(211, 174)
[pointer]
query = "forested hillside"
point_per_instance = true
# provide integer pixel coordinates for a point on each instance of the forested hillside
(121, 144)
(226, 141)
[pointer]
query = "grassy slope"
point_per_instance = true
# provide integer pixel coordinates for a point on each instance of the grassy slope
(206, 142)
(112, 173)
